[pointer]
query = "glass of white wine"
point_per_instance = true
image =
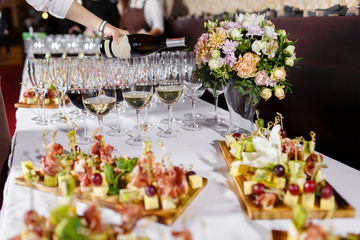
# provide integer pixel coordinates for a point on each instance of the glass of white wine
(97, 101)
(169, 90)
(137, 92)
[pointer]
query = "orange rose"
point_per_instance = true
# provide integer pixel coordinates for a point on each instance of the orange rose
(246, 65)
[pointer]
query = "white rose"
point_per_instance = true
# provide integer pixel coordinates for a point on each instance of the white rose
(266, 93)
(289, 61)
(214, 64)
(270, 32)
(214, 53)
(281, 32)
(222, 23)
(289, 50)
(263, 46)
(235, 34)
(256, 47)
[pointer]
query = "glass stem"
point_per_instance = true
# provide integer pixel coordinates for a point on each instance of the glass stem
(118, 125)
(39, 103)
(193, 111)
(146, 115)
(169, 117)
(85, 123)
(44, 106)
(138, 136)
(63, 103)
(101, 125)
(216, 104)
(59, 95)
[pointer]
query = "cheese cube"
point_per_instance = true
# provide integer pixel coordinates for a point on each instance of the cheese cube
(327, 204)
(229, 139)
(195, 181)
(101, 191)
(308, 200)
(151, 202)
(50, 181)
(47, 101)
(290, 199)
(280, 182)
(26, 166)
(248, 187)
(167, 203)
(128, 195)
(30, 101)
(293, 232)
(238, 169)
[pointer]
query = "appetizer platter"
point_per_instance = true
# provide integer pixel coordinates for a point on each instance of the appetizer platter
(154, 188)
(301, 228)
(274, 173)
(30, 99)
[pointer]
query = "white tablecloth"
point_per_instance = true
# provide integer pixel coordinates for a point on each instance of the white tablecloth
(215, 213)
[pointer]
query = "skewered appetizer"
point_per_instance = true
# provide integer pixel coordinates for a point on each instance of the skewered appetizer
(29, 97)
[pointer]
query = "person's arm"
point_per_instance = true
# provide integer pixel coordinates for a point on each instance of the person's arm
(79, 14)
(154, 17)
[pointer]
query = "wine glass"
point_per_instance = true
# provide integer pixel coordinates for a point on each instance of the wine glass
(57, 70)
(137, 92)
(194, 88)
(29, 71)
(97, 101)
(169, 91)
(74, 86)
(215, 92)
(75, 62)
(39, 48)
(38, 70)
(117, 69)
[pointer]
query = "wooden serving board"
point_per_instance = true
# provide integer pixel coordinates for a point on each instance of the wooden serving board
(281, 211)
(282, 235)
(166, 217)
(34, 105)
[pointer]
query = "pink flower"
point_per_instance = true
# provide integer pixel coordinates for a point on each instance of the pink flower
(229, 46)
(261, 78)
(230, 59)
(253, 30)
(201, 50)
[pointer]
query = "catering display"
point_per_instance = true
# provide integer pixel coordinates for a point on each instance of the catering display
(274, 173)
(156, 187)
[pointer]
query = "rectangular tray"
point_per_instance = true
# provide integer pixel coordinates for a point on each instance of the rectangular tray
(281, 211)
(166, 217)
(34, 105)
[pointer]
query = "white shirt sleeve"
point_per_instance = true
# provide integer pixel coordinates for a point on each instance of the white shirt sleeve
(154, 16)
(57, 8)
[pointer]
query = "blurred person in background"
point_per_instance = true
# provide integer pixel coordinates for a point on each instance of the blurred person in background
(74, 11)
(141, 16)
(4, 32)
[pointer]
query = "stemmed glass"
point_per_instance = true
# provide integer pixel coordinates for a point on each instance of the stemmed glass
(96, 100)
(169, 91)
(193, 89)
(39, 77)
(219, 90)
(29, 71)
(137, 92)
(75, 62)
(117, 69)
(74, 83)
(57, 70)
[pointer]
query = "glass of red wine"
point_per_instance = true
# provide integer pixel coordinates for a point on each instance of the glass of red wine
(75, 76)
(116, 68)
(96, 100)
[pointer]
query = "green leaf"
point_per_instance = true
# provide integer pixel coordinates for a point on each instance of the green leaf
(113, 190)
(71, 156)
(109, 173)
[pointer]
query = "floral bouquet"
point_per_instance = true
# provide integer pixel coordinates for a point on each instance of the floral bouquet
(249, 50)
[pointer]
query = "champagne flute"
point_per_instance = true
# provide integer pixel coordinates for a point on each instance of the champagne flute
(194, 88)
(97, 101)
(40, 80)
(74, 86)
(117, 69)
(169, 91)
(137, 92)
(57, 70)
(215, 92)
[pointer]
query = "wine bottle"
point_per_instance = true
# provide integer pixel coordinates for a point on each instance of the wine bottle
(137, 45)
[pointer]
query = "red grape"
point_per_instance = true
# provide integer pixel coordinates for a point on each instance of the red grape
(294, 189)
(96, 179)
(236, 135)
(150, 190)
(326, 192)
(283, 133)
(30, 217)
(258, 188)
(279, 170)
(309, 186)
(76, 148)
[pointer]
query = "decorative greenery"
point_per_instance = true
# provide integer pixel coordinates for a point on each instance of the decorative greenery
(248, 50)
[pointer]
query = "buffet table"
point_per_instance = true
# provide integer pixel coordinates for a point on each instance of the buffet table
(216, 213)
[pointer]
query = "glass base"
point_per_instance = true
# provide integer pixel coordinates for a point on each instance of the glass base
(192, 127)
(117, 132)
(169, 133)
(197, 116)
(37, 118)
(214, 120)
(173, 120)
(84, 140)
(135, 141)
